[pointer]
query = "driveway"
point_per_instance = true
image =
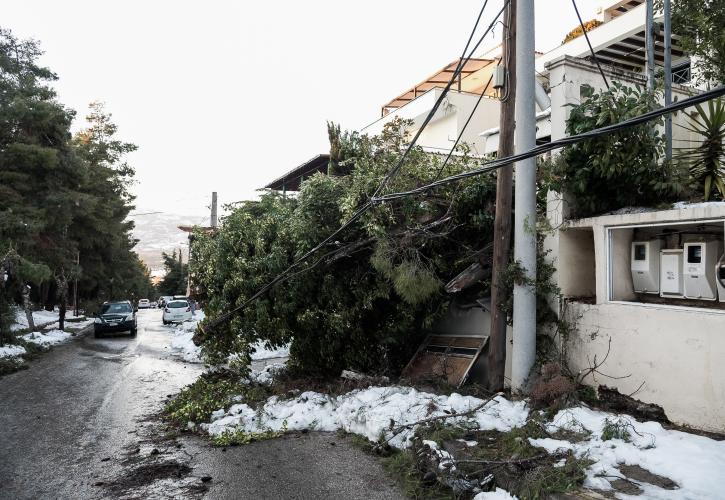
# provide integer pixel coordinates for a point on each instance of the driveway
(80, 423)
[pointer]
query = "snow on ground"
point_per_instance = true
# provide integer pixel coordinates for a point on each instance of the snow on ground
(695, 463)
(262, 352)
(43, 339)
(48, 338)
(182, 339)
(11, 351)
(41, 318)
(497, 494)
(367, 412)
(183, 344)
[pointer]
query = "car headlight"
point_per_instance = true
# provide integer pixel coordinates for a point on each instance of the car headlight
(128, 318)
(98, 320)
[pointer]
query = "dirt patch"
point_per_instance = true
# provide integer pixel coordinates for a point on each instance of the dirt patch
(644, 476)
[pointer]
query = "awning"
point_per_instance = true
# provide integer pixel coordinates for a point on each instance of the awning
(472, 78)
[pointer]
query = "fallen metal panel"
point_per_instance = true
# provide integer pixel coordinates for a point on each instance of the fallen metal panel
(447, 357)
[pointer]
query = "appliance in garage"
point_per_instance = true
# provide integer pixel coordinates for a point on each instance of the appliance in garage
(645, 264)
(700, 259)
(671, 277)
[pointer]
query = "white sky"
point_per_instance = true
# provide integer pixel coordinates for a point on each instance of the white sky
(226, 96)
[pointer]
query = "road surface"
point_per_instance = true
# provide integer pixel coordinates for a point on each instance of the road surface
(80, 423)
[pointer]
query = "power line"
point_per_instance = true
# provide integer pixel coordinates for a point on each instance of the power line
(591, 49)
(461, 64)
(487, 167)
(565, 141)
(463, 129)
(366, 206)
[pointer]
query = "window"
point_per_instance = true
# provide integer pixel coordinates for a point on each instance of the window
(681, 72)
(115, 309)
(178, 304)
(694, 254)
(640, 252)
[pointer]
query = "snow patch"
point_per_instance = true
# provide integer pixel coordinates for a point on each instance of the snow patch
(497, 494)
(694, 462)
(46, 339)
(11, 351)
(368, 412)
(41, 318)
(182, 340)
(262, 352)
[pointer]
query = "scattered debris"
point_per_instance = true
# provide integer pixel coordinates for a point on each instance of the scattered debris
(445, 357)
(612, 400)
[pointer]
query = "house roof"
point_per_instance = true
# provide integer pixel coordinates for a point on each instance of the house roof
(291, 180)
(472, 78)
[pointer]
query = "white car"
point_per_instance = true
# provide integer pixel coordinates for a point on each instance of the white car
(144, 304)
(176, 311)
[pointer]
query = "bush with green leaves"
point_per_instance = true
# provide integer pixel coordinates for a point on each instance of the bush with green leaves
(613, 170)
(704, 157)
(363, 302)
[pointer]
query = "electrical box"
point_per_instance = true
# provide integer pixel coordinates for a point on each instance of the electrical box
(671, 278)
(646, 266)
(499, 77)
(720, 277)
(700, 260)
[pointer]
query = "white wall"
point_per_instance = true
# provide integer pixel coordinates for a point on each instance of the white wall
(448, 121)
(678, 353)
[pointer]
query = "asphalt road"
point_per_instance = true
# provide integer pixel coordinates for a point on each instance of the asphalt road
(79, 423)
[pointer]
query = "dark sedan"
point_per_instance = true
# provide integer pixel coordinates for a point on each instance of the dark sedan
(116, 317)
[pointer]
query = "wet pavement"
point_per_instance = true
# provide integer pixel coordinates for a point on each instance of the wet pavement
(81, 423)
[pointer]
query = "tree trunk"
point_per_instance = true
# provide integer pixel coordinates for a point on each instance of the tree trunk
(62, 282)
(26, 307)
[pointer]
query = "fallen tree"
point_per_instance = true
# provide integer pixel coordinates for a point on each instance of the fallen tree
(363, 302)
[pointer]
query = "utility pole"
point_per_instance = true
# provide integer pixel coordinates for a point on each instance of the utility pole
(649, 43)
(213, 210)
(504, 184)
(668, 78)
(524, 334)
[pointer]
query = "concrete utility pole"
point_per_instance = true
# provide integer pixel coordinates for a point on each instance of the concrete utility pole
(524, 334)
(504, 183)
(649, 43)
(668, 78)
(213, 210)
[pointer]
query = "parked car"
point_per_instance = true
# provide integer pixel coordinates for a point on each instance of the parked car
(144, 303)
(176, 311)
(116, 317)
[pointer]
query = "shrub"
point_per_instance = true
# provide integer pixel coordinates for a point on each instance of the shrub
(618, 169)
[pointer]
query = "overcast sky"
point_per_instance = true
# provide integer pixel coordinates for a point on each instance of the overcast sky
(226, 96)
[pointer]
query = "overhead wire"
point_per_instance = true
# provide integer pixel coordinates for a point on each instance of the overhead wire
(591, 49)
(560, 143)
(366, 206)
(463, 129)
(462, 62)
(486, 167)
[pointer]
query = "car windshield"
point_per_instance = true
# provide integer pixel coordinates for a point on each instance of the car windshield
(115, 308)
(178, 304)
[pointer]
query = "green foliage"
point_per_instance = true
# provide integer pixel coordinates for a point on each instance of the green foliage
(614, 170)
(177, 273)
(616, 428)
(60, 196)
(364, 301)
(210, 392)
(403, 466)
(706, 161)
(699, 26)
(240, 437)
